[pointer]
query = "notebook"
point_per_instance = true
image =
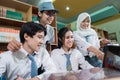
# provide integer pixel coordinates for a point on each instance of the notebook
(112, 56)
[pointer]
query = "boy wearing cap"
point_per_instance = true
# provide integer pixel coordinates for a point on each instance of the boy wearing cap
(24, 63)
(47, 13)
(46, 16)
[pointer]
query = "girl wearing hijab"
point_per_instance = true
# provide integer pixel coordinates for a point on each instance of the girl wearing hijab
(87, 40)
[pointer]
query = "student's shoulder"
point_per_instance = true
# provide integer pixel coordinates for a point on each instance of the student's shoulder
(76, 51)
(49, 27)
(55, 51)
(42, 49)
(6, 54)
(93, 30)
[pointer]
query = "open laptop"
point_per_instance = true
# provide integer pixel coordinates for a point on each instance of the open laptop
(112, 56)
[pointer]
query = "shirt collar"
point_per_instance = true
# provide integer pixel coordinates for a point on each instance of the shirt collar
(36, 53)
(63, 52)
(21, 53)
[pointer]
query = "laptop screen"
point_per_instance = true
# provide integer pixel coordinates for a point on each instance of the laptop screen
(112, 56)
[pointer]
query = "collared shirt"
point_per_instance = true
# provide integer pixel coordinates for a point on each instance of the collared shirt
(50, 35)
(82, 45)
(58, 56)
(13, 64)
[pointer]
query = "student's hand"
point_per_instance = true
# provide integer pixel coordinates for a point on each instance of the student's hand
(14, 45)
(97, 52)
(19, 78)
(100, 55)
(103, 42)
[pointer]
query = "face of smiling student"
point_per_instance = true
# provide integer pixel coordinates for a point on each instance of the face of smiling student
(34, 43)
(68, 40)
(47, 17)
(85, 23)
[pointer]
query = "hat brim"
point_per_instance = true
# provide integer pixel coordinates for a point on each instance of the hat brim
(56, 11)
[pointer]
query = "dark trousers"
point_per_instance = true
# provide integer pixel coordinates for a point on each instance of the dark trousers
(94, 61)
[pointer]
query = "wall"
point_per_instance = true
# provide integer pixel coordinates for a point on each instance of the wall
(60, 25)
(112, 26)
(73, 25)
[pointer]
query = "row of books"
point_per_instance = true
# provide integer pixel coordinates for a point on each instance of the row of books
(14, 15)
(1, 51)
(34, 18)
(8, 34)
(10, 14)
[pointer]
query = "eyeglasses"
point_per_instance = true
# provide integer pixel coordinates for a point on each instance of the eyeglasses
(50, 13)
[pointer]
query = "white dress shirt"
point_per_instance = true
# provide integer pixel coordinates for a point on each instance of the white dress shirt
(58, 56)
(49, 36)
(82, 45)
(13, 64)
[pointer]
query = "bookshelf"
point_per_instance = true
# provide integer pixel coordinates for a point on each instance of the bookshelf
(101, 33)
(23, 12)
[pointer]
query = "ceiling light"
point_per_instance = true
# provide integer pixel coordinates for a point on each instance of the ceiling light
(67, 8)
(53, 0)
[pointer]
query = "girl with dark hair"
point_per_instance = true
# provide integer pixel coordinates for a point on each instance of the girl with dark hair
(65, 57)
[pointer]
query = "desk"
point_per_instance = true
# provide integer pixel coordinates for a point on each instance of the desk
(116, 78)
(88, 74)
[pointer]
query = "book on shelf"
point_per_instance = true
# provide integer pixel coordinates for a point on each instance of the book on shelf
(34, 18)
(8, 34)
(10, 14)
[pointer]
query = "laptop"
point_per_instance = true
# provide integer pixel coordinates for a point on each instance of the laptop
(112, 56)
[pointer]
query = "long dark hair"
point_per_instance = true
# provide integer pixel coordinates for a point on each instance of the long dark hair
(61, 36)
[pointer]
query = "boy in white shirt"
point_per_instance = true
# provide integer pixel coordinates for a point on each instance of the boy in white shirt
(18, 65)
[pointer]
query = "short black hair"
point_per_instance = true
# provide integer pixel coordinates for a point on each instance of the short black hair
(61, 35)
(30, 28)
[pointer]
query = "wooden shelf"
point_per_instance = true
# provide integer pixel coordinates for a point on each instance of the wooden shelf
(15, 4)
(27, 12)
(101, 33)
(18, 6)
(55, 36)
(11, 22)
(34, 10)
